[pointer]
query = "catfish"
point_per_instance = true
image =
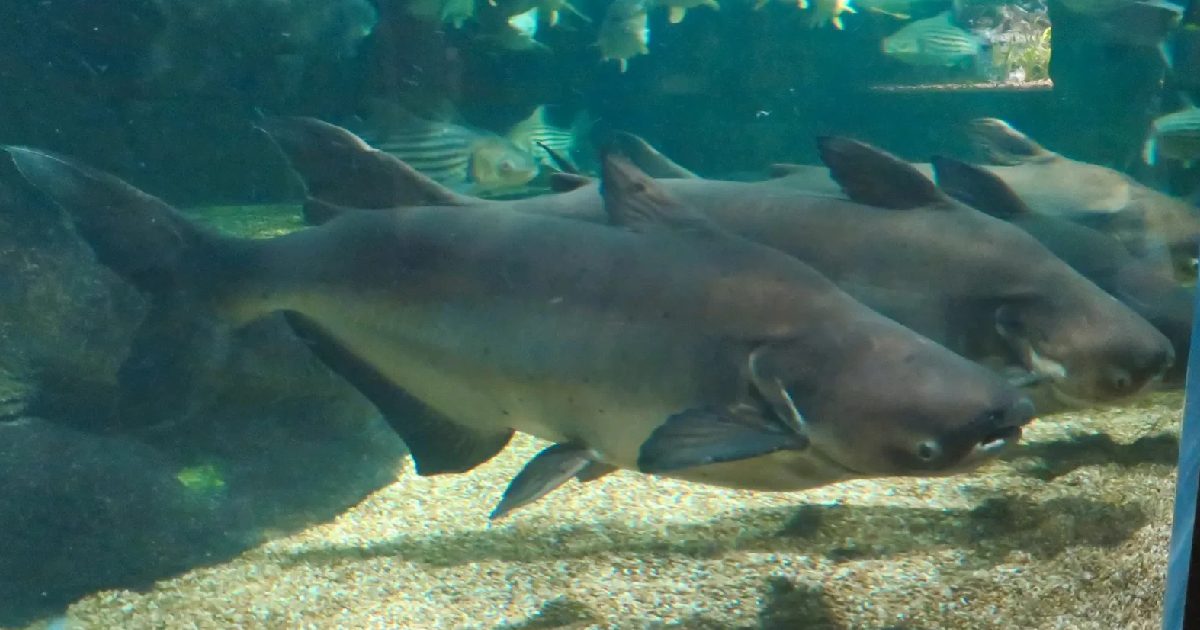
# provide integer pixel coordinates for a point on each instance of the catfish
(654, 342)
(980, 286)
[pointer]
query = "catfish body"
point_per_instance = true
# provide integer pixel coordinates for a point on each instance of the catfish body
(663, 345)
(1159, 228)
(949, 272)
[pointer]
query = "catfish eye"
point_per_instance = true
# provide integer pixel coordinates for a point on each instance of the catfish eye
(928, 451)
(506, 166)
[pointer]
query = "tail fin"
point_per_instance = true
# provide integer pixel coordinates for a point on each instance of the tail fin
(339, 170)
(178, 349)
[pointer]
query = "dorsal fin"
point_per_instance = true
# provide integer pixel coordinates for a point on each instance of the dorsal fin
(783, 169)
(1001, 144)
(872, 176)
(634, 200)
(647, 158)
(979, 188)
(339, 168)
(566, 182)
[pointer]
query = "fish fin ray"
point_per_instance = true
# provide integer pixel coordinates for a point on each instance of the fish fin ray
(875, 177)
(438, 444)
(340, 169)
(979, 188)
(1001, 144)
(549, 469)
(634, 200)
(185, 270)
(647, 158)
(593, 471)
(698, 437)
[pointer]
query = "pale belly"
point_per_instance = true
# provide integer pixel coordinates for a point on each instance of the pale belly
(562, 380)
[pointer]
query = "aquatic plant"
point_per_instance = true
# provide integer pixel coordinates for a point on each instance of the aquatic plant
(1021, 45)
(202, 479)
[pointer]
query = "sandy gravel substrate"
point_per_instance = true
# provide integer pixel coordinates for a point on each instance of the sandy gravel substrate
(1070, 532)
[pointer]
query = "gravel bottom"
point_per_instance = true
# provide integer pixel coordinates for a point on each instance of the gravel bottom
(1070, 531)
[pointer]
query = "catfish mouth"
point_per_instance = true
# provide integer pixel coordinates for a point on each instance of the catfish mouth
(995, 442)
(1043, 370)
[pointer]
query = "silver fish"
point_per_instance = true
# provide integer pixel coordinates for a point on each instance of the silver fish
(1175, 136)
(455, 155)
(934, 41)
(535, 132)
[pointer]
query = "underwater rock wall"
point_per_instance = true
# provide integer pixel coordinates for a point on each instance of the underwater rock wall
(94, 500)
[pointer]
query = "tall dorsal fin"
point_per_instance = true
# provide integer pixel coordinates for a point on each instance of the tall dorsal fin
(1001, 144)
(872, 176)
(566, 182)
(340, 169)
(647, 158)
(979, 188)
(634, 200)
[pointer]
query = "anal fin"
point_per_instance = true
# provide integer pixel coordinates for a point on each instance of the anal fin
(438, 444)
(549, 469)
(698, 437)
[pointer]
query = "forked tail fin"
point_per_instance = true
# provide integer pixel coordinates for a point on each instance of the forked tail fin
(181, 344)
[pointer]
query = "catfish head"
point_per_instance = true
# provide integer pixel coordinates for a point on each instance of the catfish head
(1061, 326)
(876, 399)
(1086, 344)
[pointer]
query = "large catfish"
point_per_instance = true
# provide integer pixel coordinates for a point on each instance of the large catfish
(660, 344)
(975, 283)
(1151, 225)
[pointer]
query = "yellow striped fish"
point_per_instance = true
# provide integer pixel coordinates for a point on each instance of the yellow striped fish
(1175, 136)
(934, 41)
(535, 131)
(466, 159)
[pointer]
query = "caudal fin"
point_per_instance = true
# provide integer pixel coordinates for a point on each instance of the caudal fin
(179, 347)
(341, 171)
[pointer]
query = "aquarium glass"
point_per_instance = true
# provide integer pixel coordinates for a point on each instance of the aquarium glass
(500, 314)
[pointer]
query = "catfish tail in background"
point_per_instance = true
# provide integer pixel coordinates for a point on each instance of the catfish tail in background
(341, 172)
(180, 346)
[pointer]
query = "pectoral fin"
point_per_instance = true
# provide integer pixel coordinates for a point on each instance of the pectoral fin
(547, 470)
(698, 437)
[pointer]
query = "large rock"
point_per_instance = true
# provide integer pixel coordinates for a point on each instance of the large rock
(272, 442)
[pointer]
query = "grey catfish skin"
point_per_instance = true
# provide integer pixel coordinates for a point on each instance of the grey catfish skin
(575, 332)
(1154, 226)
(942, 269)
(1148, 289)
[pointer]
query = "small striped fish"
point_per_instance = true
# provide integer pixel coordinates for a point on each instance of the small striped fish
(1175, 136)
(934, 41)
(460, 157)
(534, 131)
